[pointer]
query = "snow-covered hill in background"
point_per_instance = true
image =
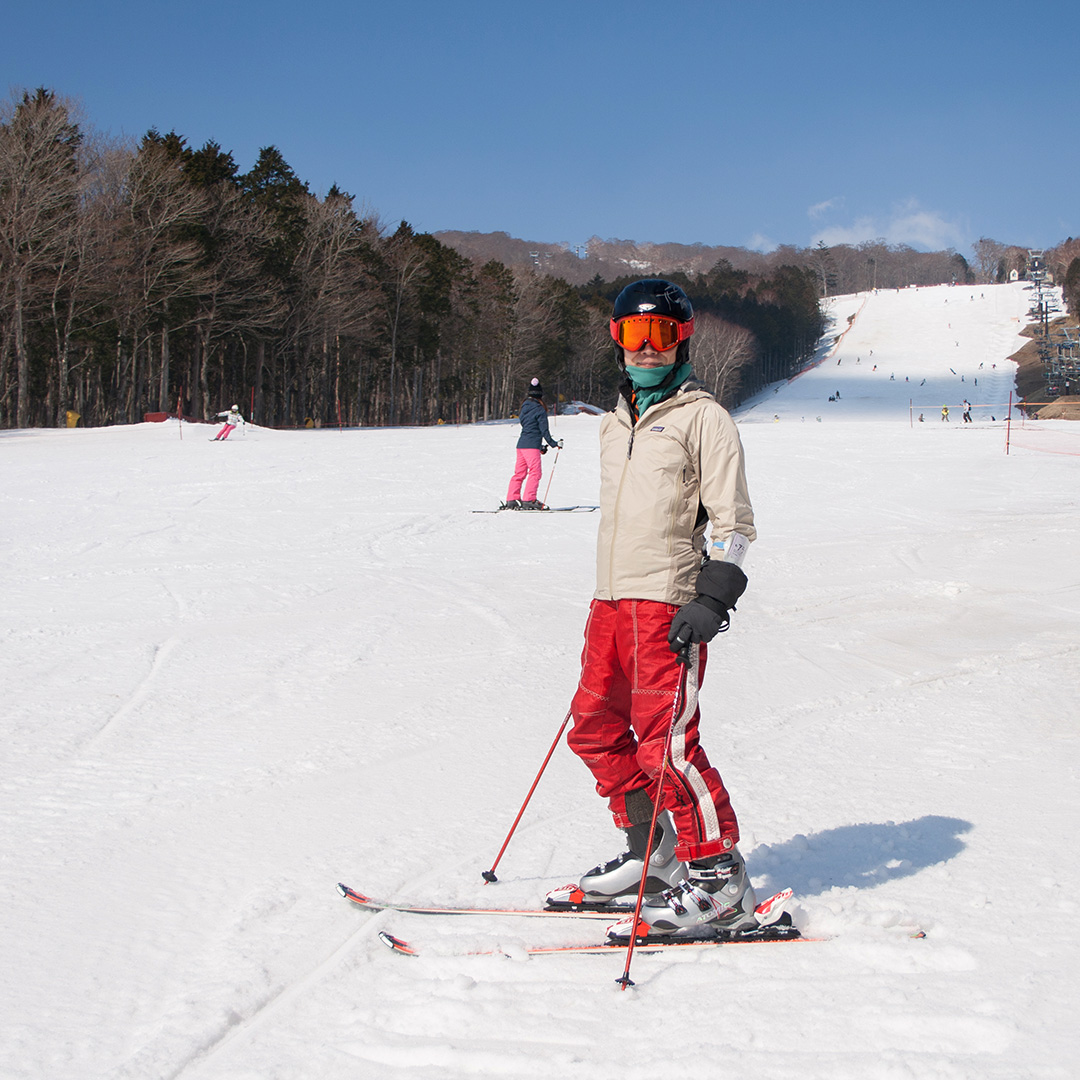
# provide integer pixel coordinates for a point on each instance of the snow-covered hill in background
(234, 674)
(911, 348)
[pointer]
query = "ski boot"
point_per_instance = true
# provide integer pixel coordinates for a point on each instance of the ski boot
(533, 505)
(716, 895)
(511, 504)
(617, 882)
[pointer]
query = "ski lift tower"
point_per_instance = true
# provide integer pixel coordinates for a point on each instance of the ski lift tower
(1037, 276)
(1036, 272)
(1060, 350)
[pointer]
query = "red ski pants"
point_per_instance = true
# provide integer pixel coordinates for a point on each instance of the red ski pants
(623, 708)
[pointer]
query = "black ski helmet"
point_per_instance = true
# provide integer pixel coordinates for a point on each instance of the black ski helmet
(653, 296)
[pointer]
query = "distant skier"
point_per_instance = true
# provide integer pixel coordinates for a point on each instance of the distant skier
(530, 445)
(945, 413)
(671, 463)
(967, 412)
(233, 419)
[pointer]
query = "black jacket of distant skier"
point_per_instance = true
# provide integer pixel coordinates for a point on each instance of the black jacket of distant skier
(534, 426)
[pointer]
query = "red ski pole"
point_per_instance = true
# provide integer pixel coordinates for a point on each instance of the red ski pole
(680, 695)
(489, 875)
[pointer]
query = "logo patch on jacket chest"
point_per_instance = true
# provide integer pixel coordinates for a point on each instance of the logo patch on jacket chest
(659, 427)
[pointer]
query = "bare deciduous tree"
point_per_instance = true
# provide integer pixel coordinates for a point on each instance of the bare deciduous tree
(159, 261)
(720, 349)
(236, 298)
(38, 196)
(987, 258)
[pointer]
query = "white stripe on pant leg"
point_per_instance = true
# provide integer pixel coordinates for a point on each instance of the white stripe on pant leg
(706, 806)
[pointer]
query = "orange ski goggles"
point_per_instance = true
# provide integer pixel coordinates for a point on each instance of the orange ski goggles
(662, 333)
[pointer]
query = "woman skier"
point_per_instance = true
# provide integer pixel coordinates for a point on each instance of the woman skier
(530, 445)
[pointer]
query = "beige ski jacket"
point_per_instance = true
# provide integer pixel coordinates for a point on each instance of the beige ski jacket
(662, 481)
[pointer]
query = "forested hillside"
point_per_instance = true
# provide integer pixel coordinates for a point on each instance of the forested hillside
(157, 277)
(839, 269)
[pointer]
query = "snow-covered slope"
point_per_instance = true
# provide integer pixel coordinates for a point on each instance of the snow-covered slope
(894, 351)
(234, 674)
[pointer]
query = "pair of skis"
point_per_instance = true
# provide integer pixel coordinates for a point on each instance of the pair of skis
(582, 508)
(774, 925)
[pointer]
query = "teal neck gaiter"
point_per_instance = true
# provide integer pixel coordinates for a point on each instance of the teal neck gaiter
(648, 390)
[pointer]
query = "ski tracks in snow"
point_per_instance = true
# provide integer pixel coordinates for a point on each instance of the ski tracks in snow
(158, 660)
(240, 1010)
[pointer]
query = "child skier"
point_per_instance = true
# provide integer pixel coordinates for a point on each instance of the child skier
(232, 419)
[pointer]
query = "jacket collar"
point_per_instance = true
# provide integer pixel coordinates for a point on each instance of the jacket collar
(690, 389)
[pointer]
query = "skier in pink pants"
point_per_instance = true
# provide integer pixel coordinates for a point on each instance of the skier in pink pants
(526, 479)
(530, 445)
(232, 419)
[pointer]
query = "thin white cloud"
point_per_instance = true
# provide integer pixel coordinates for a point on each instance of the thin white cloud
(925, 228)
(862, 229)
(759, 242)
(908, 223)
(821, 208)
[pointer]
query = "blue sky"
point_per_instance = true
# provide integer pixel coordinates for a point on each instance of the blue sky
(749, 123)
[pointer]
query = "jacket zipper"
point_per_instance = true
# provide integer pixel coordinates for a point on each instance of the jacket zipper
(615, 517)
(615, 510)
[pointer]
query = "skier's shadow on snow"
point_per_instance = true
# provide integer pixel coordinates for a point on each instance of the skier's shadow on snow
(856, 855)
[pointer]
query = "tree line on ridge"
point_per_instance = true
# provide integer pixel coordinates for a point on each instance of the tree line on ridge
(157, 277)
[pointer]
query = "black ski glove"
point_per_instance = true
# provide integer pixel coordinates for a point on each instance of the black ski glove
(719, 586)
(700, 620)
